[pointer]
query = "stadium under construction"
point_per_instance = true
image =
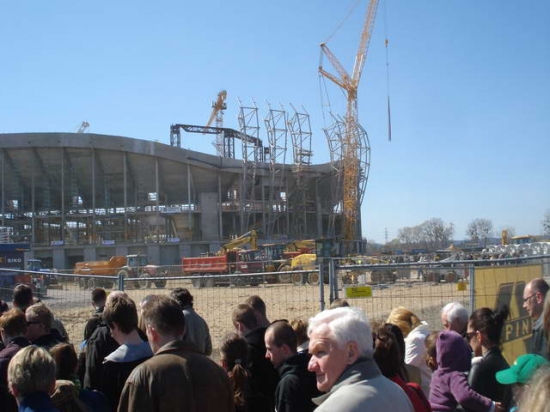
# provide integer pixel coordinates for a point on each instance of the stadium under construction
(83, 196)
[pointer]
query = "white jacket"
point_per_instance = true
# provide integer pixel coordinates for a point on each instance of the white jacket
(415, 354)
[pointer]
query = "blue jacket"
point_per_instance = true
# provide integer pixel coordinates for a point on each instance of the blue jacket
(37, 402)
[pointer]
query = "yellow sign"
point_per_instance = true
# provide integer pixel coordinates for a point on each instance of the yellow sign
(503, 285)
(358, 292)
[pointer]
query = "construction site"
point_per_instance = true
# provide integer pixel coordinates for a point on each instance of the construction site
(81, 196)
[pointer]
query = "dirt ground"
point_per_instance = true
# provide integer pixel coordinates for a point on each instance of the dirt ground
(285, 302)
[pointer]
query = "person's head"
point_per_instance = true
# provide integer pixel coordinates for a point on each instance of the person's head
(39, 321)
(12, 324)
(120, 314)
(431, 351)
(66, 360)
(3, 306)
(183, 297)
(99, 297)
(452, 351)
(164, 321)
(142, 302)
(258, 305)
(337, 338)
(521, 372)
(244, 319)
(31, 370)
(300, 328)
(22, 297)
(234, 358)
(233, 351)
(387, 353)
(280, 342)
(339, 303)
(536, 395)
(454, 316)
(405, 319)
(533, 297)
(485, 329)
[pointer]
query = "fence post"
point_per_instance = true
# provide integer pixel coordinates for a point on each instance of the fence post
(121, 282)
(321, 288)
(472, 278)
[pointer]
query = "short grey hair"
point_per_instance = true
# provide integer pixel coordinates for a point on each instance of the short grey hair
(345, 324)
(455, 310)
(32, 369)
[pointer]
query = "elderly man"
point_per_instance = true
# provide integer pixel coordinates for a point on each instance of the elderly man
(340, 344)
(297, 385)
(39, 326)
(177, 377)
(533, 302)
(454, 316)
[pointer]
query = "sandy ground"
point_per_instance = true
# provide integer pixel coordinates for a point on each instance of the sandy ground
(283, 302)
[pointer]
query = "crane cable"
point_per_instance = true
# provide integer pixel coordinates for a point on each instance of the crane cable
(353, 7)
(386, 42)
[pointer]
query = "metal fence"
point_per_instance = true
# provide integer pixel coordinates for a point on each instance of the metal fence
(422, 288)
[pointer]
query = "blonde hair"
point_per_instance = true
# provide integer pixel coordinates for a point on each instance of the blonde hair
(536, 396)
(32, 369)
(404, 319)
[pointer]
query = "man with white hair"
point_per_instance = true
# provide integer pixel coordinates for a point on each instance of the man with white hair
(454, 316)
(340, 344)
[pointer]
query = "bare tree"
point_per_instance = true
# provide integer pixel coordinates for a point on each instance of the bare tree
(479, 230)
(432, 234)
(546, 223)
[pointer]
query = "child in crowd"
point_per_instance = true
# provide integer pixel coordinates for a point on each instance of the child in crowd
(234, 358)
(449, 386)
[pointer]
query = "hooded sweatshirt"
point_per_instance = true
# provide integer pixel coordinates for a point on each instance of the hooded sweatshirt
(449, 386)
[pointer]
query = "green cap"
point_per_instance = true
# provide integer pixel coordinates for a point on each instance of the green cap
(521, 371)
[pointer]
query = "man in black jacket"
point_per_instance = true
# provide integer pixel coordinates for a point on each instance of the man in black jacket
(264, 377)
(297, 386)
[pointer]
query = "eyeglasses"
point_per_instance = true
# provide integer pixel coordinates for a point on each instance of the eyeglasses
(525, 300)
(470, 335)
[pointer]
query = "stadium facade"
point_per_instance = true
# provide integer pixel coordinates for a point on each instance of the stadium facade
(82, 196)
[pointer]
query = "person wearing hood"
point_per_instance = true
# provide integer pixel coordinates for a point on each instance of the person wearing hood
(449, 386)
(297, 386)
(415, 333)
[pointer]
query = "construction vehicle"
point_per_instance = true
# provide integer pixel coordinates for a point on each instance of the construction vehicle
(325, 249)
(212, 271)
(229, 260)
(130, 266)
(42, 275)
(278, 257)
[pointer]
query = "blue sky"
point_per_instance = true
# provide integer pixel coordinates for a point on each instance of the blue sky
(469, 86)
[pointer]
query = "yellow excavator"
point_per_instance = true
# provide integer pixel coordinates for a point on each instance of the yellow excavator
(248, 238)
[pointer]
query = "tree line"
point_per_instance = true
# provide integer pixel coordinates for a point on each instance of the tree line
(435, 234)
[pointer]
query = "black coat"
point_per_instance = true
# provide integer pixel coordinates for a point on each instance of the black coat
(263, 376)
(297, 386)
(100, 344)
(482, 376)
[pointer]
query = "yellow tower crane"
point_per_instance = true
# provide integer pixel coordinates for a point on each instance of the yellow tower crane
(217, 113)
(350, 144)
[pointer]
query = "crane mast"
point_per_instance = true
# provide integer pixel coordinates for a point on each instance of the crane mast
(218, 108)
(351, 144)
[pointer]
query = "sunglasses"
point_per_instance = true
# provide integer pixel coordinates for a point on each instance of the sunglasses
(33, 323)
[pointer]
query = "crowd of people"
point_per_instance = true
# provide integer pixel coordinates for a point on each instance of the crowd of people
(155, 355)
